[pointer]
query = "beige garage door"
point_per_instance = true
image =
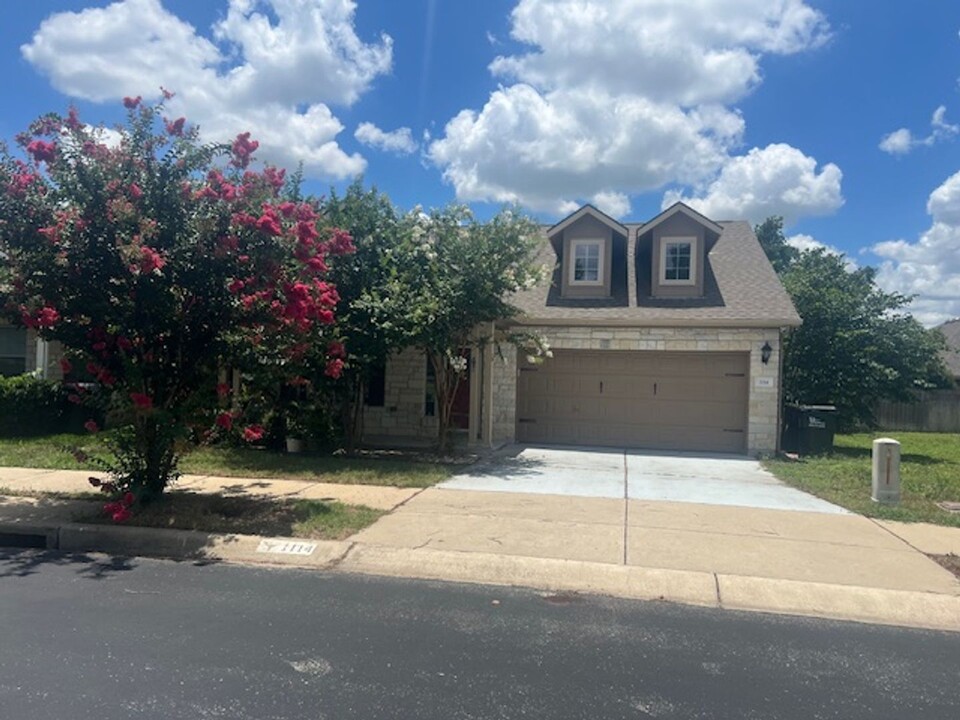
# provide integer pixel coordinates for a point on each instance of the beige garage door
(658, 400)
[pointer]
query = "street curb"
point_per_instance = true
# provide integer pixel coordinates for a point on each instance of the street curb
(933, 611)
(926, 610)
(181, 545)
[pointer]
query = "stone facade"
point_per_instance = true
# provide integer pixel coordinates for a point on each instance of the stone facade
(504, 395)
(494, 380)
(764, 400)
(402, 414)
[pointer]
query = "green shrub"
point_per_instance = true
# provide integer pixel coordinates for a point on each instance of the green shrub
(33, 406)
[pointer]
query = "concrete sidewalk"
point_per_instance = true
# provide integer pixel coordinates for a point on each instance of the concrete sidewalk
(774, 544)
(804, 563)
(75, 481)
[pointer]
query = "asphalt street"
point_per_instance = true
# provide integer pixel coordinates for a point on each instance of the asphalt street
(96, 637)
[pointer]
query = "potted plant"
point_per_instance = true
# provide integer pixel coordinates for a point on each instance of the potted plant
(296, 428)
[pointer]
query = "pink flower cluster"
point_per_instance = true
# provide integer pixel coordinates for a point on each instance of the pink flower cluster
(174, 127)
(150, 260)
(141, 401)
(118, 510)
(243, 149)
(45, 317)
(42, 151)
(253, 433)
(23, 180)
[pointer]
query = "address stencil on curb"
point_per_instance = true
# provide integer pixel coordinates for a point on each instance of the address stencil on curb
(286, 547)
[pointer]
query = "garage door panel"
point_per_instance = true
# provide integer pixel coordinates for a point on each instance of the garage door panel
(701, 390)
(678, 401)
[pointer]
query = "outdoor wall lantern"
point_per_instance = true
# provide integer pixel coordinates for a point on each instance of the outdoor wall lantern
(765, 352)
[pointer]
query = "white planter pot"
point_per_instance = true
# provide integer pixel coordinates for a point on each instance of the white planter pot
(295, 445)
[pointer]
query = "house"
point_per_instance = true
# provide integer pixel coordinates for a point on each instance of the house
(22, 352)
(951, 356)
(665, 335)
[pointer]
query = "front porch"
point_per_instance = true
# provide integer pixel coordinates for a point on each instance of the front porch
(402, 411)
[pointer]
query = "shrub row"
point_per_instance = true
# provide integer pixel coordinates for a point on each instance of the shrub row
(32, 406)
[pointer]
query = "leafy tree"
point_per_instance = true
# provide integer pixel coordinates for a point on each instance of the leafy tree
(373, 316)
(774, 243)
(456, 276)
(155, 261)
(857, 344)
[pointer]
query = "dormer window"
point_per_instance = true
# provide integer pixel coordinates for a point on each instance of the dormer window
(586, 268)
(678, 260)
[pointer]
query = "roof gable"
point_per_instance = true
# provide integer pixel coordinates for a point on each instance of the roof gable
(593, 212)
(951, 356)
(679, 207)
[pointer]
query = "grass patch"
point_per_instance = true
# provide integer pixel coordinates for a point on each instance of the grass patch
(55, 451)
(247, 462)
(251, 516)
(929, 473)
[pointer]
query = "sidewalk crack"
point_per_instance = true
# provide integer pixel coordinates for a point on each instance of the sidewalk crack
(716, 583)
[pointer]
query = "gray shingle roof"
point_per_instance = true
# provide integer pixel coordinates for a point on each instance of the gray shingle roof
(951, 356)
(741, 288)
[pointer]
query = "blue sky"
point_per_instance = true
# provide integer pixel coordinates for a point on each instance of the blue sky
(842, 116)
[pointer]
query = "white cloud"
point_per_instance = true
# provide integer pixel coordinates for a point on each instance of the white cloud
(399, 141)
(902, 141)
(614, 204)
(544, 151)
(685, 53)
(807, 242)
(899, 142)
(617, 97)
(804, 243)
(275, 77)
(929, 267)
(775, 180)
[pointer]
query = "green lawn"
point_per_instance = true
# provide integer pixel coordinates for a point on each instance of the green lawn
(929, 471)
(55, 451)
(250, 516)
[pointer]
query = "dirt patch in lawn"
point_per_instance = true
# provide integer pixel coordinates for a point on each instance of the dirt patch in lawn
(314, 519)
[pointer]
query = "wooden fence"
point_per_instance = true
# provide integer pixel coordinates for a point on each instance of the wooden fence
(933, 411)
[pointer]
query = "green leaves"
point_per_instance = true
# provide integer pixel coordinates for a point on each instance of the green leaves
(857, 344)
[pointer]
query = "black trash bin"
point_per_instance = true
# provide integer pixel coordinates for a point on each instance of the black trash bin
(809, 429)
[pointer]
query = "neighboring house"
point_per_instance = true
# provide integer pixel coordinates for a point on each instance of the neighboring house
(665, 335)
(22, 352)
(951, 356)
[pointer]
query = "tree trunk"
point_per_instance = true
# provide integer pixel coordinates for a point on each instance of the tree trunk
(352, 415)
(157, 460)
(446, 380)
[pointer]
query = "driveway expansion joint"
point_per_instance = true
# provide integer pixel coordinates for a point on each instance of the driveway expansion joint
(332, 565)
(626, 509)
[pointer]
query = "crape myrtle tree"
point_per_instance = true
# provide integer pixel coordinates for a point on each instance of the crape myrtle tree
(373, 314)
(455, 279)
(857, 344)
(155, 260)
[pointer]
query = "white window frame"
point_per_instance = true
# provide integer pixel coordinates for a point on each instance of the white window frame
(694, 243)
(586, 242)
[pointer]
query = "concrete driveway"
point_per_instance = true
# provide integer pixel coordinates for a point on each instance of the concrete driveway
(716, 514)
(731, 480)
